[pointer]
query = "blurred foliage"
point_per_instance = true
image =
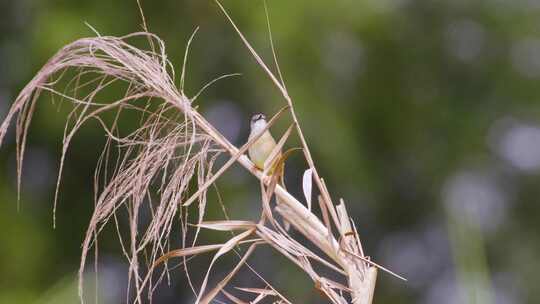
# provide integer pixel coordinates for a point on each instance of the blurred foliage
(422, 114)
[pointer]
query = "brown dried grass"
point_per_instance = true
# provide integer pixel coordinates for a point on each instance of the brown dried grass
(173, 148)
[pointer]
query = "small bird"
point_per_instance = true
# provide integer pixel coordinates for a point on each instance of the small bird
(262, 147)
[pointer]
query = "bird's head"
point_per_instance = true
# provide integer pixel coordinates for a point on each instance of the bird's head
(258, 121)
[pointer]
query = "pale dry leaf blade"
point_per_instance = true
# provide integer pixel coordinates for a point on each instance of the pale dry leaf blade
(267, 210)
(195, 250)
(257, 290)
(307, 186)
(187, 252)
(326, 219)
(229, 225)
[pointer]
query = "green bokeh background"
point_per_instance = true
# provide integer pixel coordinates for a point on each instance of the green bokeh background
(423, 115)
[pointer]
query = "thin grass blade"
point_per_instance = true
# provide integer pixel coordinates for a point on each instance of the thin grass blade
(307, 185)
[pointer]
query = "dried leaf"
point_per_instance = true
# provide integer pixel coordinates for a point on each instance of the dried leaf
(307, 184)
(227, 225)
(178, 253)
(258, 290)
(187, 252)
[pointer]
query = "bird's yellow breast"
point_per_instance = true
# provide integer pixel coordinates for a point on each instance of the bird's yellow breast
(261, 149)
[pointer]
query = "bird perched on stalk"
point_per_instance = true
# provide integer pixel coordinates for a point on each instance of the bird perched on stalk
(261, 149)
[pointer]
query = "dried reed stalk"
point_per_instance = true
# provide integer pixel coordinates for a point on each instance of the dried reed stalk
(175, 146)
